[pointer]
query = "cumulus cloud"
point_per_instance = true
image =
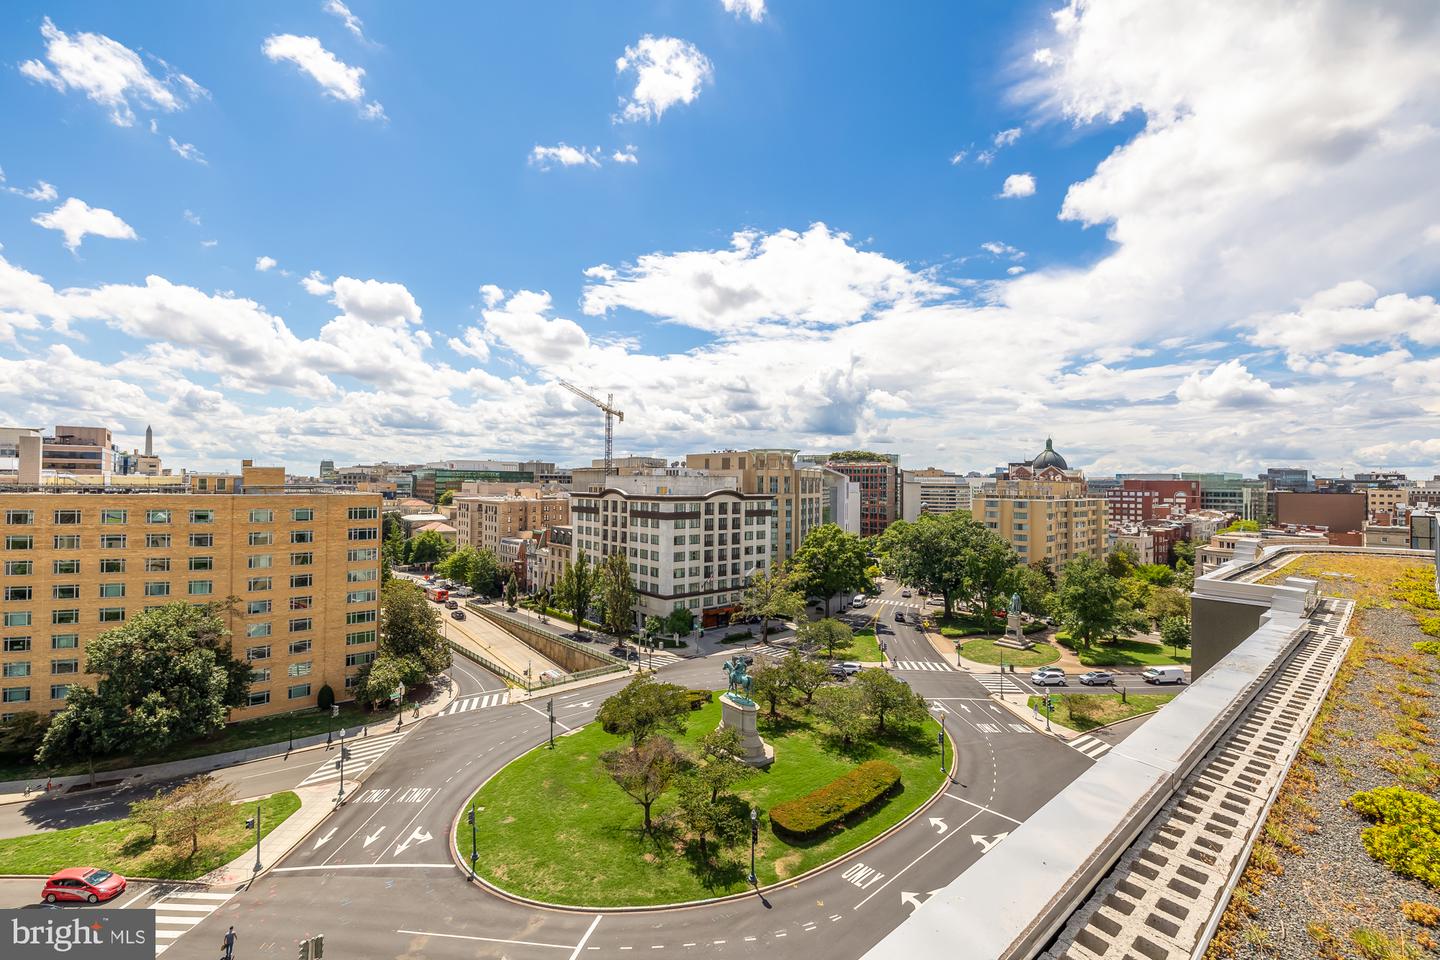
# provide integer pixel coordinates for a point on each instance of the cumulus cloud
(668, 71)
(337, 79)
(628, 155)
(108, 73)
(376, 302)
(315, 284)
(352, 23)
(999, 249)
(42, 192)
(76, 219)
(754, 9)
(1006, 137)
(263, 264)
(1349, 313)
(523, 326)
(1018, 185)
(562, 154)
(1231, 385)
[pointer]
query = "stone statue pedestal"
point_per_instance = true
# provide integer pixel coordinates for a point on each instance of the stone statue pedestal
(1015, 638)
(739, 713)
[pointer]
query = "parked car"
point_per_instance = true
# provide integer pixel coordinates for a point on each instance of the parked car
(1048, 677)
(618, 650)
(1098, 678)
(452, 604)
(463, 591)
(551, 676)
(845, 669)
(906, 594)
(1163, 675)
(899, 616)
(857, 603)
(457, 614)
(84, 884)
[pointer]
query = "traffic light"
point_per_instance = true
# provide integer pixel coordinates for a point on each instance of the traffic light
(334, 709)
(317, 946)
(304, 950)
(470, 816)
(249, 823)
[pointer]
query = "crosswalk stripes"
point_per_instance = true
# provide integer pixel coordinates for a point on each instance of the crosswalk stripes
(479, 702)
(176, 913)
(995, 683)
(662, 658)
(934, 665)
(1092, 747)
(363, 753)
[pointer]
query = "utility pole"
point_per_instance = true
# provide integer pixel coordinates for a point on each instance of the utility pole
(256, 824)
(552, 723)
(474, 851)
(344, 752)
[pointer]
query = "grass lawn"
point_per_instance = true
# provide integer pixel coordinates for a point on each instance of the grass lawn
(1086, 711)
(866, 648)
(1126, 652)
(125, 847)
(553, 826)
(983, 650)
(237, 736)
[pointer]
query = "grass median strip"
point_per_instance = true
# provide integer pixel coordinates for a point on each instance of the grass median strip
(1086, 711)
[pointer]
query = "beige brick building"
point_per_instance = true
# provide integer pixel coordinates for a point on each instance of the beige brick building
(302, 564)
(797, 489)
(483, 522)
(1041, 509)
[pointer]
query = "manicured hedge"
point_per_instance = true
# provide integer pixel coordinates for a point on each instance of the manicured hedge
(698, 698)
(842, 797)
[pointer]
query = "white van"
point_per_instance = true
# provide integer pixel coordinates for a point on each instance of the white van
(857, 603)
(1163, 675)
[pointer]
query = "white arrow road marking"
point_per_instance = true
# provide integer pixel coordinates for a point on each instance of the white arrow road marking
(580, 706)
(321, 841)
(939, 824)
(987, 842)
(419, 836)
(937, 705)
(914, 898)
(995, 708)
(965, 708)
(372, 837)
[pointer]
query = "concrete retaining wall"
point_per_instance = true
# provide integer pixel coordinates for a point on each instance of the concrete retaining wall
(571, 656)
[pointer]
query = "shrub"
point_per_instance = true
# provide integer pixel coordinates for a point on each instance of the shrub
(698, 698)
(325, 697)
(830, 805)
(1425, 914)
(1406, 835)
(1427, 646)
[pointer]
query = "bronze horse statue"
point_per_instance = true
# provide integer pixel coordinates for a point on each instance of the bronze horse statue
(740, 680)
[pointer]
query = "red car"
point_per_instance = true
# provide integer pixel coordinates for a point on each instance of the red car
(89, 884)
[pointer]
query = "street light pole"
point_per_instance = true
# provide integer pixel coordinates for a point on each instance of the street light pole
(474, 853)
(754, 836)
(1049, 708)
(258, 805)
(340, 797)
(330, 734)
(941, 737)
(552, 723)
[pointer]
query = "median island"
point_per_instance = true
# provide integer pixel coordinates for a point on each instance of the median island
(651, 804)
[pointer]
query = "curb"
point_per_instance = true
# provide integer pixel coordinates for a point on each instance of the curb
(46, 876)
(490, 888)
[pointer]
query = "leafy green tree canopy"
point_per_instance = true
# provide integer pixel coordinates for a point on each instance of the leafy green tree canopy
(771, 596)
(410, 627)
(428, 546)
(644, 707)
(830, 562)
(1089, 602)
(831, 635)
(617, 594)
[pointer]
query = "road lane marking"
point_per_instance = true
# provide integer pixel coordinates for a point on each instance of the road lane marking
(579, 946)
(986, 809)
(953, 833)
(461, 936)
(365, 866)
(542, 713)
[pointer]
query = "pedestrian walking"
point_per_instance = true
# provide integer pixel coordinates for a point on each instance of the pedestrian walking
(229, 948)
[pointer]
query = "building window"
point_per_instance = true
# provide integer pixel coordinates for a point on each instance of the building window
(261, 538)
(302, 559)
(69, 541)
(363, 533)
(262, 516)
(157, 516)
(258, 653)
(157, 565)
(112, 516)
(260, 675)
(202, 563)
(258, 698)
(301, 603)
(201, 588)
(112, 565)
(202, 539)
(253, 630)
(15, 695)
(16, 644)
(202, 516)
(301, 669)
(359, 637)
(20, 517)
(360, 576)
(360, 596)
(299, 647)
(363, 513)
(17, 618)
(17, 593)
(112, 614)
(362, 554)
(360, 616)
(256, 607)
(64, 666)
(300, 625)
(302, 536)
(112, 541)
(296, 692)
(63, 616)
(62, 567)
(357, 659)
(112, 590)
(67, 518)
(64, 641)
(18, 669)
(299, 581)
(302, 514)
(59, 691)
(20, 543)
(256, 584)
(259, 561)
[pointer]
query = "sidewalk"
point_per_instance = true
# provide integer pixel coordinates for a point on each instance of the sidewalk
(316, 802)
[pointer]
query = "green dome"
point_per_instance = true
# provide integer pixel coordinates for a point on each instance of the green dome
(1049, 458)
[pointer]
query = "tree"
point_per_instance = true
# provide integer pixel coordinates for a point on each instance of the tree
(720, 767)
(446, 498)
(771, 596)
(575, 587)
(21, 735)
(325, 697)
(706, 815)
(197, 807)
(988, 562)
(82, 731)
(617, 594)
(477, 569)
(1184, 551)
(843, 708)
(830, 562)
(768, 684)
(410, 627)
(378, 680)
(1122, 561)
(1155, 574)
(1031, 584)
(680, 620)
(428, 546)
(1175, 631)
(512, 591)
(885, 698)
(829, 634)
(643, 707)
(653, 626)
(1167, 602)
(1242, 526)
(1088, 602)
(805, 676)
(152, 811)
(644, 771)
(929, 553)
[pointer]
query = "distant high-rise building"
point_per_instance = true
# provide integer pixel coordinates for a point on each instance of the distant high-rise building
(1296, 479)
(932, 491)
(1041, 508)
(798, 490)
(878, 476)
(327, 469)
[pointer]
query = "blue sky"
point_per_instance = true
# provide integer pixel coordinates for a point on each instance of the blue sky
(781, 223)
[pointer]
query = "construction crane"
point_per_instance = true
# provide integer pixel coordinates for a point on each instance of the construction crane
(608, 405)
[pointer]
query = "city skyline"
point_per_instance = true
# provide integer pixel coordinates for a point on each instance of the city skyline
(359, 238)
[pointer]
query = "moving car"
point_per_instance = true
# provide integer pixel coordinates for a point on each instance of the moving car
(1098, 678)
(899, 616)
(906, 594)
(86, 884)
(857, 603)
(1163, 675)
(1048, 677)
(452, 604)
(457, 614)
(844, 670)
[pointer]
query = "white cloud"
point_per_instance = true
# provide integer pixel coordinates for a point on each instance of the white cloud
(1014, 271)
(76, 219)
(521, 325)
(985, 157)
(1349, 313)
(628, 155)
(754, 9)
(336, 78)
(42, 192)
(565, 155)
(471, 344)
(1006, 137)
(263, 264)
(1002, 250)
(188, 151)
(352, 22)
(1230, 385)
(109, 73)
(668, 71)
(958, 158)
(315, 284)
(191, 217)
(376, 302)
(209, 243)
(1018, 185)
(1432, 233)
(491, 294)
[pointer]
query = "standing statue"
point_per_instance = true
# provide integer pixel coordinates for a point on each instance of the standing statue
(1014, 604)
(740, 680)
